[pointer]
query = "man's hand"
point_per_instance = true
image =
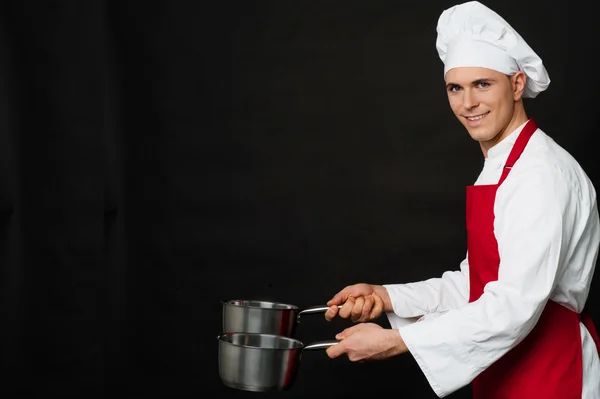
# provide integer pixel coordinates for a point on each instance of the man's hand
(360, 302)
(368, 342)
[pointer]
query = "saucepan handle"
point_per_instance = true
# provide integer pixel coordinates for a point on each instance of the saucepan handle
(320, 345)
(315, 309)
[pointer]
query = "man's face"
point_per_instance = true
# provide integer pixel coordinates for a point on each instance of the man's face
(483, 100)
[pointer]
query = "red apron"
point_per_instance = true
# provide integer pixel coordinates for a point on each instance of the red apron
(548, 362)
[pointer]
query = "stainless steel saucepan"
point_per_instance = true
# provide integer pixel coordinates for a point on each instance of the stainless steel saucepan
(254, 316)
(261, 362)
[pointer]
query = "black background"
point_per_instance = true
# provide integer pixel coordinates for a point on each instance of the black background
(159, 157)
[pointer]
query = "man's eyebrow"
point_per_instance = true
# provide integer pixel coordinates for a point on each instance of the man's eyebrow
(483, 80)
(475, 82)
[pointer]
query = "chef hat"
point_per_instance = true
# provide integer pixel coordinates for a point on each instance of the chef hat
(470, 34)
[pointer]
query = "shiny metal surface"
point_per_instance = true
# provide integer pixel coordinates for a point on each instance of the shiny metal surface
(261, 362)
(264, 317)
(313, 310)
(259, 317)
(261, 304)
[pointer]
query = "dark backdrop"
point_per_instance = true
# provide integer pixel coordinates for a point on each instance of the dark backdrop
(159, 157)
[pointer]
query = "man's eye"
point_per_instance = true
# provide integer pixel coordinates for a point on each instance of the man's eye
(453, 88)
(483, 85)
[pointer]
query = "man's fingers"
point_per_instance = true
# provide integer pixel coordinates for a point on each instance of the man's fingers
(339, 348)
(346, 309)
(335, 350)
(377, 307)
(336, 300)
(366, 309)
(357, 309)
(340, 297)
(356, 301)
(331, 312)
(340, 335)
(376, 311)
(348, 332)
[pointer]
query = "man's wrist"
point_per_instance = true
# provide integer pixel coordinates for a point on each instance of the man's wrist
(399, 346)
(385, 296)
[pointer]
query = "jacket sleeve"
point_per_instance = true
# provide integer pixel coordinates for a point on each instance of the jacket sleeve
(429, 298)
(535, 218)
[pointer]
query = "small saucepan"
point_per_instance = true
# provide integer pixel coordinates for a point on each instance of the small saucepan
(254, 316)
(261, 362)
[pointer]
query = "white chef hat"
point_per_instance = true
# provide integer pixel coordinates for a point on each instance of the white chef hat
(471, 34)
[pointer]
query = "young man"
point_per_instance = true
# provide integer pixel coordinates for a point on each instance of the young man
(512, 320)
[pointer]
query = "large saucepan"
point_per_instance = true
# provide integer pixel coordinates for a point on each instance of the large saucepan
(261, 362)
(264, 317)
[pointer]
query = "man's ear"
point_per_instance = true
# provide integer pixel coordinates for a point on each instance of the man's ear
(518, 82)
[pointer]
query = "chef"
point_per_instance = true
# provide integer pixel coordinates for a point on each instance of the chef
(512, 320)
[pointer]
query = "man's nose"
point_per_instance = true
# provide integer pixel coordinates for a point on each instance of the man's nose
(469, 99)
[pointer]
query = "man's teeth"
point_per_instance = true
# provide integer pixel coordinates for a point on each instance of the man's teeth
(474, 118)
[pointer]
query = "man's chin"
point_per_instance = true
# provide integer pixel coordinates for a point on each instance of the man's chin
(479, 136)
(475, 133)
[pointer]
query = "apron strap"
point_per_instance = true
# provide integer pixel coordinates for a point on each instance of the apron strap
(518, 148)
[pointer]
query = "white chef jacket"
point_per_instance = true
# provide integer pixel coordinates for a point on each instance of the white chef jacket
(548, 232)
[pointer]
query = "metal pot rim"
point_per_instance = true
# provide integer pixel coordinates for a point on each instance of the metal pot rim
(222, 338)
(258, 304)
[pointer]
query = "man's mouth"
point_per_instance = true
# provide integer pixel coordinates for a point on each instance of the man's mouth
(477, 117)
